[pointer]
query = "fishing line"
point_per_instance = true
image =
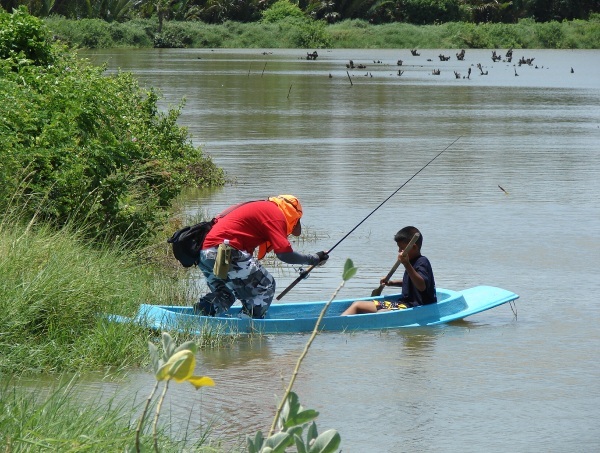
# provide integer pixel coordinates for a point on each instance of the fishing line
(305, 273)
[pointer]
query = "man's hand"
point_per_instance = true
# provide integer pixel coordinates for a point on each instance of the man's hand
(323, 256)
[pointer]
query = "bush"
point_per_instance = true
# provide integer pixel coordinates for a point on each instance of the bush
(303, 33)
(281, 10)
(550, 35)
(293, 31)
(92, 149)
(24, 37)
(130, 33)
(97, 34)
(174, 35)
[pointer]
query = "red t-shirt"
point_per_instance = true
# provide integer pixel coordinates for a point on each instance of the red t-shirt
(250, 225)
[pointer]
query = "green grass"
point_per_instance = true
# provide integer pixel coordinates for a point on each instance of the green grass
(57, 420)
(54, 293)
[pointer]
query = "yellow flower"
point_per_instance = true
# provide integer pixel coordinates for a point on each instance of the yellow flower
(180, 367)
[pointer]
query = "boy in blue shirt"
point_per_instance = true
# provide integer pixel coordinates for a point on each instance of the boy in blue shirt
(418, 283)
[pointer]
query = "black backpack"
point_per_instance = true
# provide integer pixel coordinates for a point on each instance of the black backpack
(187, 242)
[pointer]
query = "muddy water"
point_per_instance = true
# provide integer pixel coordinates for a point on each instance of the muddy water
(343, 140)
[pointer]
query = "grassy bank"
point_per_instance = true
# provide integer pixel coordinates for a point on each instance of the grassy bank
(301, 33)
(53, 295)
(88, 172)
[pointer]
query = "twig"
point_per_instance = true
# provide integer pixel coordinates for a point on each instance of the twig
(263, 71)
(158, 407)
(142, 417)
(301, 358)
(289, 91)
(349, 78)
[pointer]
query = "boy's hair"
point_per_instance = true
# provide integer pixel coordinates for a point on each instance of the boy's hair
(406, 234)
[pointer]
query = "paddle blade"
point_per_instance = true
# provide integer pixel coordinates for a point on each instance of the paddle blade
(377, 291)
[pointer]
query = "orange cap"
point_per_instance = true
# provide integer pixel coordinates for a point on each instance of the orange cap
(291, 208)
(292, 211)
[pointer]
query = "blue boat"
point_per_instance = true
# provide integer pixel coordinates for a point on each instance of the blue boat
(285, 318)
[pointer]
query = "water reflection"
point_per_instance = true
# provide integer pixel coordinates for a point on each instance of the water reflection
(417, 342)
(243, 352)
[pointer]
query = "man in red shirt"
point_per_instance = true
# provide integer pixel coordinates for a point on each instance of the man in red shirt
(265, 224)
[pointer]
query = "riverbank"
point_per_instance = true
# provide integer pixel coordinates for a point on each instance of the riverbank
(56, 291)
(89, 176)
(309, 34)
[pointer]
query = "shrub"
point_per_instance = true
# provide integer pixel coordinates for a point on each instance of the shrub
(550, 34)
(174, 35)
(303, 33)
(24, 37)
(93, 149)
(281, 10)
(95, 33)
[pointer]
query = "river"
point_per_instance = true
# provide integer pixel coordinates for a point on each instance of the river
(344, 139)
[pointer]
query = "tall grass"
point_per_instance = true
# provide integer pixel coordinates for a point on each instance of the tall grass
(57, 420)
(56, 290)
(349, 34)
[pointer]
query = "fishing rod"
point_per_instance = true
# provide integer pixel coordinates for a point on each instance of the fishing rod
(305, 273)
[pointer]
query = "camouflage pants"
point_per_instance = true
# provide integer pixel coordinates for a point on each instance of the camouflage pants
(247, 281)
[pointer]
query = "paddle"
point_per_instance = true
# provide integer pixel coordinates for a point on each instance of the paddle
(377, 291)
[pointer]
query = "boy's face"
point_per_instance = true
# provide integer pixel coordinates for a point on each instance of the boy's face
(414, 251)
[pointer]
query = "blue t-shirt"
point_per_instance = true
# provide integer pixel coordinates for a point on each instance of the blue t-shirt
(410, 295)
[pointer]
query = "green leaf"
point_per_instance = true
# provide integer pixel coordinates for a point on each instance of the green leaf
(301, 418)
(183, 366)
(349, 270)
(312, 432)
(294, 431)
(328, 442)
(168, 346)
(189, 345)
(289, 409)
(300, 444)
(153, 356)
(279, 442)
(180, 367)
(255, 445)
(294, 402)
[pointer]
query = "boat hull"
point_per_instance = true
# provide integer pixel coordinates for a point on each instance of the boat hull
(301, 317)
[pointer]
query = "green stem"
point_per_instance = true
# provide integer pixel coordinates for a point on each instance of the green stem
(301, 358)
(158, 407)
(138, 430)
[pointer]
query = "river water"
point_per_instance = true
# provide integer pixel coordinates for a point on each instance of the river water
(521, 379)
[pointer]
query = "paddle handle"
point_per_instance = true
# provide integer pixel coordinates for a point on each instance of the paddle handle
(412, 242)
(410, 245)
